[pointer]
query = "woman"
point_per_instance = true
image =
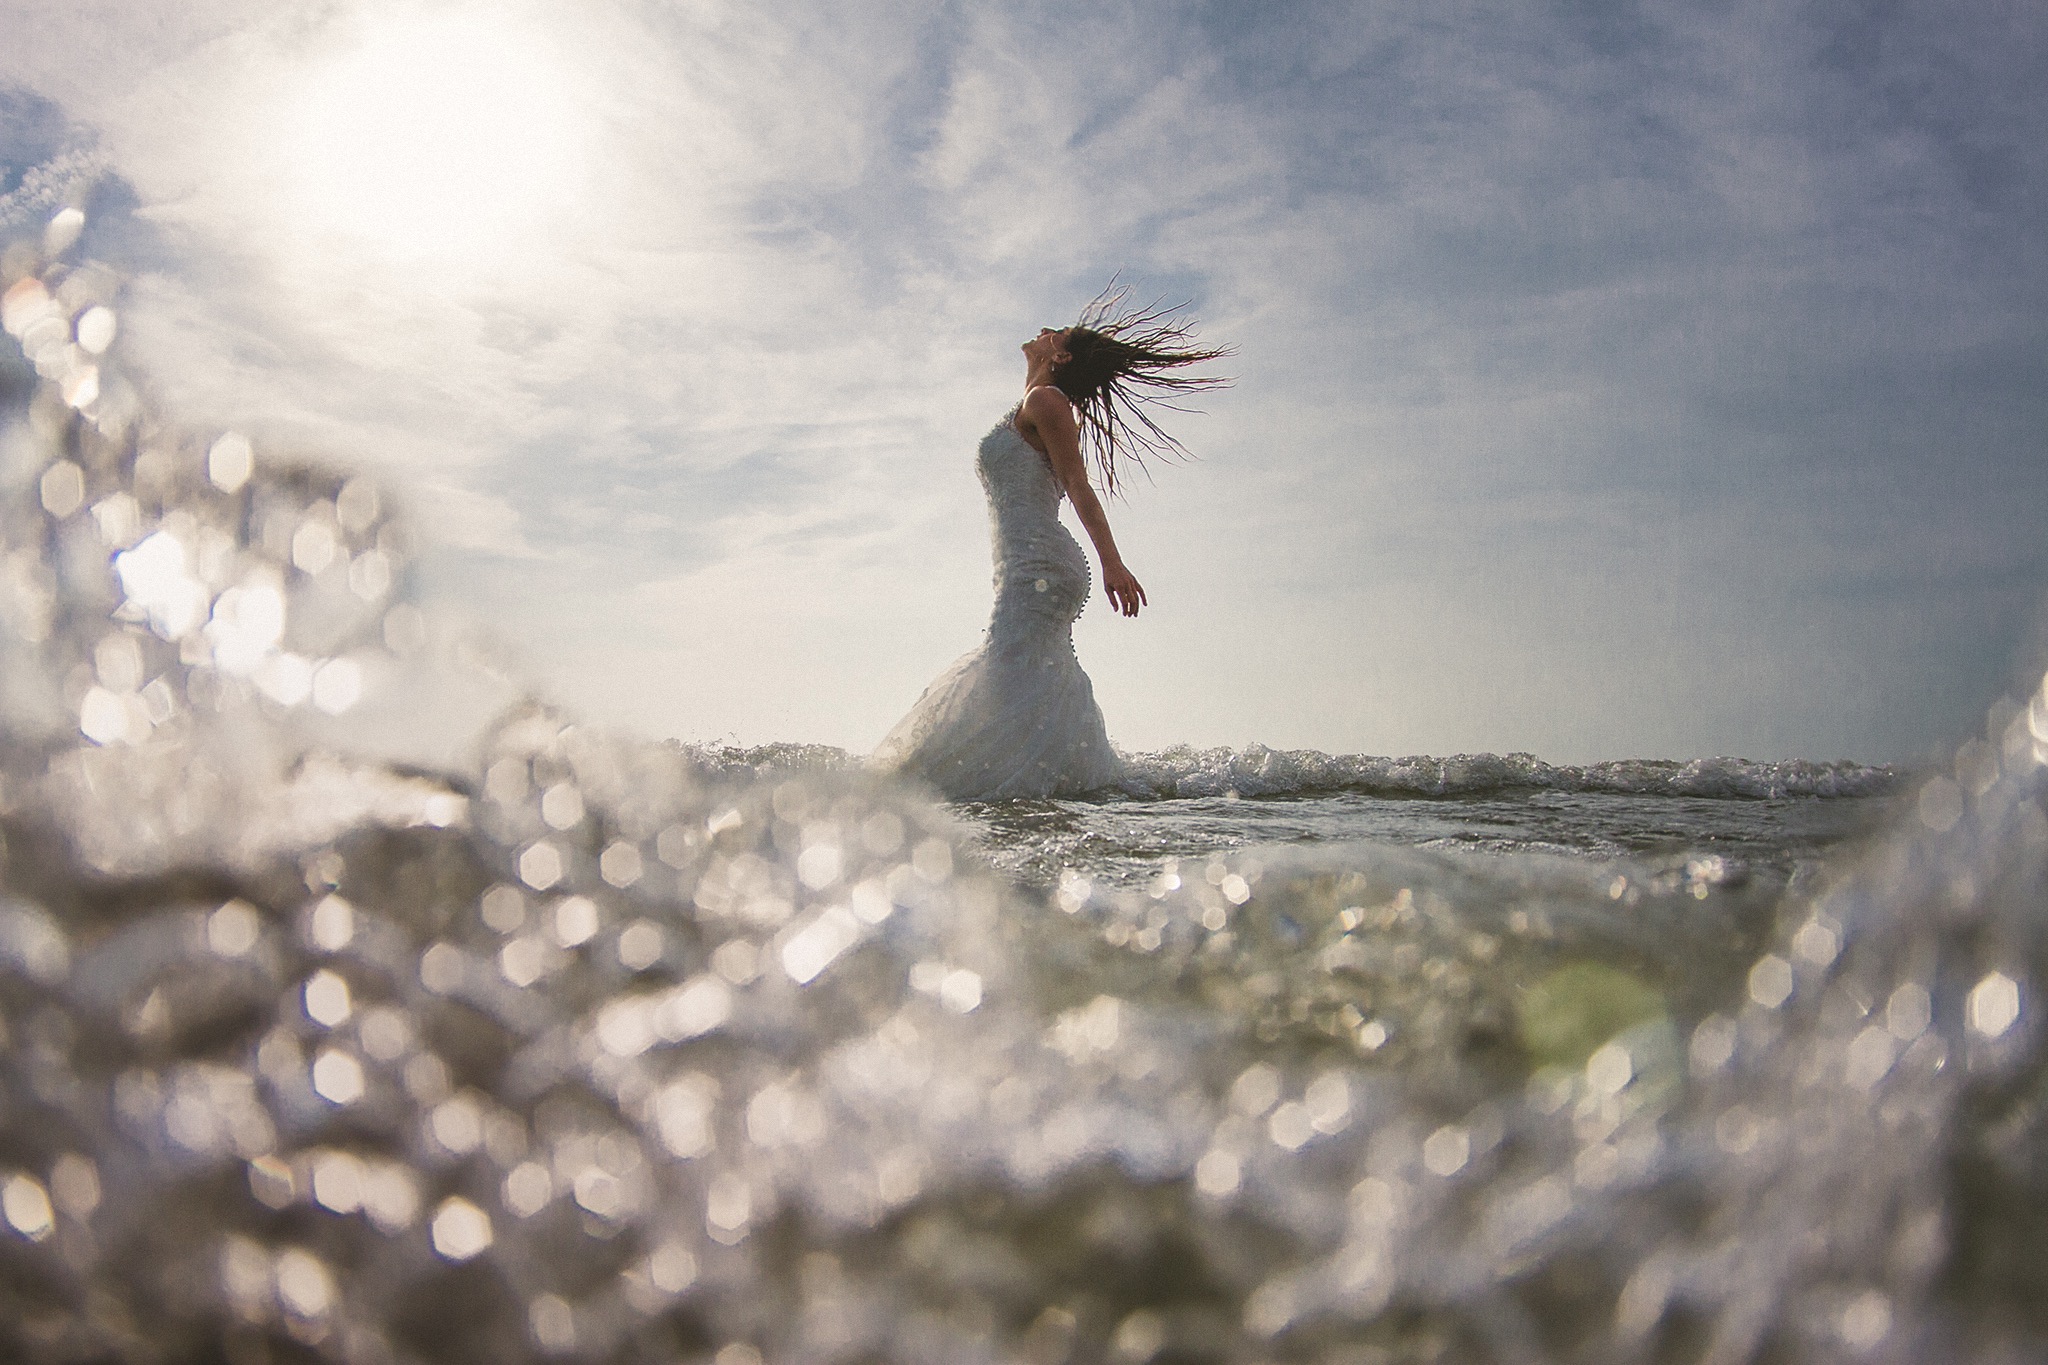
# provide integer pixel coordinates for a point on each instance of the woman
(1017, 717)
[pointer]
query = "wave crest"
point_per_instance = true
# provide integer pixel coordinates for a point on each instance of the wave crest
(1185, 771)
(1256, 770)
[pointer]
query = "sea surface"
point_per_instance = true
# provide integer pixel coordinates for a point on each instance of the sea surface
(1128, 844)
(587, 1049)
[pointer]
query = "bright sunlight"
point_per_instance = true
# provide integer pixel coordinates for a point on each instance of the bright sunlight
(453, 137)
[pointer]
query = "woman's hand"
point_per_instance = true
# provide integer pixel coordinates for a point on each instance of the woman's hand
(1125, 593)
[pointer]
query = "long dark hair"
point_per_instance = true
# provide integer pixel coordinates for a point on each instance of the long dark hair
(1122, 361)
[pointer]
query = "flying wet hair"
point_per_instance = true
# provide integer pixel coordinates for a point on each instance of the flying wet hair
(1123, 361)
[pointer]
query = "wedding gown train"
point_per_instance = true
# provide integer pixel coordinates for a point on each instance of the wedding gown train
(1017, 717)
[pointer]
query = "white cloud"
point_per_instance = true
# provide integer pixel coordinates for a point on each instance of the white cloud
(457, 518)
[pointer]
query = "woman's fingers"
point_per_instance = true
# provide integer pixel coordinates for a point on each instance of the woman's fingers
(1125, 593)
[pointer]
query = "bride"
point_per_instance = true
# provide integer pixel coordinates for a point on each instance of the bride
(1017, 717)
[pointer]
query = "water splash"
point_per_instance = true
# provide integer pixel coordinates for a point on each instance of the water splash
(603, 1051)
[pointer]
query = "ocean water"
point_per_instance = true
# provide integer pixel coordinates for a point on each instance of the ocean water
(1725, 819)
(585, 1049)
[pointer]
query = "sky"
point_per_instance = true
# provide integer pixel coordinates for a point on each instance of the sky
(1613, 380)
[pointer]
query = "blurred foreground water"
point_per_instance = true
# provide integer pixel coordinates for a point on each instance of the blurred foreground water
(589, 1050)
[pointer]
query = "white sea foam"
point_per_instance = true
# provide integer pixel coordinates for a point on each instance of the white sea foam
(1259, 771)
(1187, 771)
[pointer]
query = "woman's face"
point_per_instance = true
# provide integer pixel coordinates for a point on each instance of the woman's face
(1048, 345)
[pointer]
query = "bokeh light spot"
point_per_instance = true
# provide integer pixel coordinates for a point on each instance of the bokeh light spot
(1218, 1173)
(26, 1206)
(1994, 1005)
(1770, 981)
(552, 1322)
(1940, 805)
(540, 866)
(230, 462)
(620, 865)
(327, 999)
(575, 920)
(337, 685)
(305, 1286)
(641, 945)
(337, 1077)
(1445, 1152)
(62, 489)
(333, 924)
(460, 1230)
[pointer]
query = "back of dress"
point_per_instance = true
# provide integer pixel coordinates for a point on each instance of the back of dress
(1041, 572)
(1017, 717)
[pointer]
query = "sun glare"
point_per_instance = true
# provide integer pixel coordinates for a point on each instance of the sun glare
(452, 137)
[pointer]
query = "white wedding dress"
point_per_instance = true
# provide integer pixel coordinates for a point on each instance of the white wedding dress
(1017, 717)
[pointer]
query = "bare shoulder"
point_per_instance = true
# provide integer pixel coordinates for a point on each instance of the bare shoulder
(1047, 409)
(1045, 416)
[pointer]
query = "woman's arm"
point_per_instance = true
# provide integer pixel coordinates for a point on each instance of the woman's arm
(1048, 415)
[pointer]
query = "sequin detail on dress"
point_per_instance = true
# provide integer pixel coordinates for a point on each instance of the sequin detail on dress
(1017, 717)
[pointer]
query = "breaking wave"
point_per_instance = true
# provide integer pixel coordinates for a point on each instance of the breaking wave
(1187, 771)
(1259, 771)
